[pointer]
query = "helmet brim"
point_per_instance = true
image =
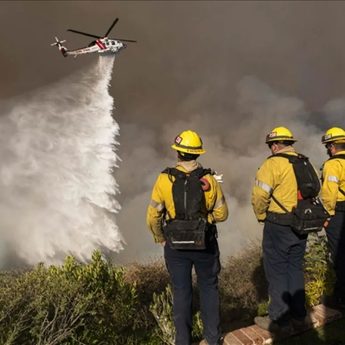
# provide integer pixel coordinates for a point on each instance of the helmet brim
(340, 139)
(270, 140)
(188, 150)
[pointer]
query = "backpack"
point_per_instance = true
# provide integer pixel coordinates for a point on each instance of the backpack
(187, 230)
(309, 215)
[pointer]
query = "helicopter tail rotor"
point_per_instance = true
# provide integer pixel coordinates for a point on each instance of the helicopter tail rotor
(57, 43)
(62, 49)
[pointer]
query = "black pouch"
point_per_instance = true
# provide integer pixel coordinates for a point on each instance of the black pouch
(309, 217)
(186, 234)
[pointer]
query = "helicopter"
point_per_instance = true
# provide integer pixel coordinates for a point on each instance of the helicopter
(102, 45)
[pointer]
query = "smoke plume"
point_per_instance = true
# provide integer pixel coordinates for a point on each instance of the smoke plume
(57, 156)
(235, 145)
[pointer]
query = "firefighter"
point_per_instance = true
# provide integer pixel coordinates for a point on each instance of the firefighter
(333, 196)
(165, 211)
(274, 195)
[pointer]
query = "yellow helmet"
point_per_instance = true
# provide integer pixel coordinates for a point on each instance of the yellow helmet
(279, 134)
(334, 135)
(188, 142)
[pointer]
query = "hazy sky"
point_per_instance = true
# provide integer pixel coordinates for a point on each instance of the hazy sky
(189, 67)
(295, 47)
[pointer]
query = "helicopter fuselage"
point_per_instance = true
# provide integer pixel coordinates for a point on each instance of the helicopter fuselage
(101, 45)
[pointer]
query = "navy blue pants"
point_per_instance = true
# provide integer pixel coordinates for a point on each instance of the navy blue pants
(283, 253)
(336, 241)
(207, 268)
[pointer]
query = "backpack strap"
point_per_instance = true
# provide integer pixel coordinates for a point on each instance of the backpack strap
(341, 156)
(279, 204)
(291, 158)
(174, 172)
(341, 191)
(199, 172)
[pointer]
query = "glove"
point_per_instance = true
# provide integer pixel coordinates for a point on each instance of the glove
(218, 177)
(261, 221)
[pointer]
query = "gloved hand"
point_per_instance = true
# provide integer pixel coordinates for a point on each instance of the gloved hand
(218, 177)
(261, 221)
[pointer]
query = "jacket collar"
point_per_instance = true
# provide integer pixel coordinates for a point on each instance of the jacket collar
(188, 166)
(339, 153)
(287, 149)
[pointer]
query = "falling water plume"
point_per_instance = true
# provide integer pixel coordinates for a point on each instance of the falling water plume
(57, 158)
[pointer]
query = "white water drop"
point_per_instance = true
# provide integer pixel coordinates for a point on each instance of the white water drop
(56, 182)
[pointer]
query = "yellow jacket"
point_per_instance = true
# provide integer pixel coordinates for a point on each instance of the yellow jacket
(275, 177)
(162, 203)
(333, 178)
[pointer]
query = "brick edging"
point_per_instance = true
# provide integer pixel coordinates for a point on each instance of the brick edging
(253, 335)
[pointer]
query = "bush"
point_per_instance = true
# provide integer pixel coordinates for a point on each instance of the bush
(101, 303)
(319, 273)
(162, 310)
(74, 304)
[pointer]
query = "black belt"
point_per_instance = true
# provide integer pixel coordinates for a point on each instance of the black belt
(279, 218)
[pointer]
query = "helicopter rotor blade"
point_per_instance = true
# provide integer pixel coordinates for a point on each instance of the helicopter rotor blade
(83, 33)
(111, 27)
(120, 39)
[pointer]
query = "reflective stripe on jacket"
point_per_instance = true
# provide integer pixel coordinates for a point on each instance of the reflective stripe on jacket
(162, 204)
(333, 178)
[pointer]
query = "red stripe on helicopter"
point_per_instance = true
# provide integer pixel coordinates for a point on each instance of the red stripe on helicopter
(100, 44)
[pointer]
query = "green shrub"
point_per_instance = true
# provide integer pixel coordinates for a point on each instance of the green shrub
(72, 304)
(263, 308)
(101, 303)
(319, 273)
(162, 310)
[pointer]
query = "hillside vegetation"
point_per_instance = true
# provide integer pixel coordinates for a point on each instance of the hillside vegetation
(101, 303)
